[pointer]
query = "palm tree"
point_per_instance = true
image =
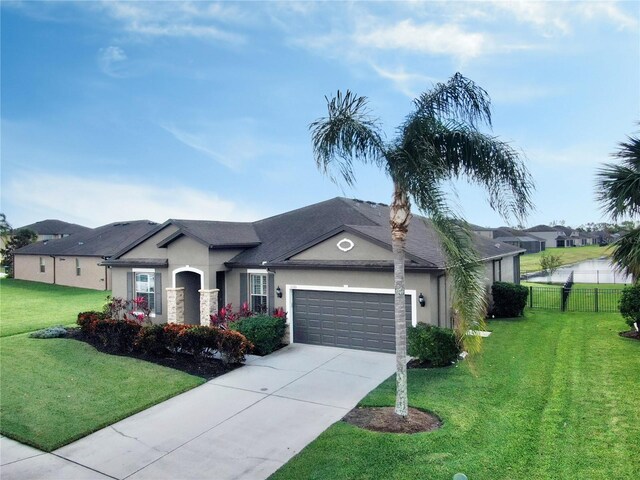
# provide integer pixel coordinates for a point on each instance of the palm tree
(619, 193)
(439, 141)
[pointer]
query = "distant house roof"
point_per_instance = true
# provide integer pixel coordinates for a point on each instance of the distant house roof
(541, 228)
(102, 241)
(55, 227)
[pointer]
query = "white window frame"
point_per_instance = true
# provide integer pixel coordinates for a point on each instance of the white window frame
(252, 275)
(135, 291)
(43, 265)
(323, 288)
(78, 268)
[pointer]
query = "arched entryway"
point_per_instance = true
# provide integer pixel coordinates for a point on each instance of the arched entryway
(191, 281)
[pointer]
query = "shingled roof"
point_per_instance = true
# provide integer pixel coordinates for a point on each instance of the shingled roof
(287, 234)
(102, 241)
(55, 227)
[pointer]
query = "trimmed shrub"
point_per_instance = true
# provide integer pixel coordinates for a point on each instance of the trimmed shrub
(50, 332)
(263, 331)
(509, 299)
(151, 340)
(116, 336)
(630, 304)
(435, 345)
(86, 319)
(233, 346)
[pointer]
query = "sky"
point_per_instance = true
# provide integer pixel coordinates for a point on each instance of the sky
(115, 111)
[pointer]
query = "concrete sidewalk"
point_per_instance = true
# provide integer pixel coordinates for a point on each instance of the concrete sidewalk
(243, 425)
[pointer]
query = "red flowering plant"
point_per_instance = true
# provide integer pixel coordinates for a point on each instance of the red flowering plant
(226, 315)
(279, 313)
(118, 308)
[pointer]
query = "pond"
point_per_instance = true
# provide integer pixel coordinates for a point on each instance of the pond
(595, 271)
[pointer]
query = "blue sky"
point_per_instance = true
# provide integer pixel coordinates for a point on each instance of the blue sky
(129, 110)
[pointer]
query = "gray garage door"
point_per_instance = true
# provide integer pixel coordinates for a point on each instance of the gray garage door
(363, 321)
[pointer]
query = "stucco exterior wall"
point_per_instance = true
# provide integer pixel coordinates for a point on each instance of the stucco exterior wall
(328, 250)
(27, 267)
(63, 270)
(148, 248)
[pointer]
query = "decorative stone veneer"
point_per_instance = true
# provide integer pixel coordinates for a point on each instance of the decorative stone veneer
(208, 305)
(175, 305)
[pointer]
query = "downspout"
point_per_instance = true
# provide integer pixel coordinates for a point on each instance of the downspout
(54, 268)
(438, 295)
(106, 275)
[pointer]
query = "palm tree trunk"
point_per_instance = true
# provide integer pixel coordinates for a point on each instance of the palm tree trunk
(400, 218)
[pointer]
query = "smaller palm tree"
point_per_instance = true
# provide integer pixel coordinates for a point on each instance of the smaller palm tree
(619, 193)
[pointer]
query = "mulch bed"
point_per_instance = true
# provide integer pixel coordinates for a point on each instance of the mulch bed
(384, 419)
(630, 334)
(206, 368)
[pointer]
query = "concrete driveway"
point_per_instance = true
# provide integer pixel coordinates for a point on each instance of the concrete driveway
(243, 425)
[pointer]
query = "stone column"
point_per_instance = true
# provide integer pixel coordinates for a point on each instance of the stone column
(208, 305)
(175, 305)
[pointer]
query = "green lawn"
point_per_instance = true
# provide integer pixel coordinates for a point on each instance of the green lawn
(553, 396)
(28, 306)
(530, 262)
(55, 391)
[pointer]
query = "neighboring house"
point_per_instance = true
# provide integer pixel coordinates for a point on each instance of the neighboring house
(560, 236)
(75, 259)
(328, 265)
(51, 229)
(518, 238)
(602, 237)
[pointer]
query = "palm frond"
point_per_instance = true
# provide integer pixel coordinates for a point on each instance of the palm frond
(349, 133)
(626, 253)
(465, 269)
(619, 184)
(459, 98)
(457, 151)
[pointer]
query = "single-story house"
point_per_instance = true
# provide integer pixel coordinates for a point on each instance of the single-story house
(75, 259)
(560, 236)
(328, 265)
(518, 238)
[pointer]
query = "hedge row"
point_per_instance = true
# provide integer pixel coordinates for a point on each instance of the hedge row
(126, 336)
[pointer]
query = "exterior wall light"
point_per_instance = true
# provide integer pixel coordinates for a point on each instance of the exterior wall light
(279, 292)
(422, 300)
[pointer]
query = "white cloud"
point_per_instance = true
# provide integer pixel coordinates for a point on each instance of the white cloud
(559, 18)
(234, 143)
(429, 38)
(411, 84)
(111, 61)
(96, 201)
(175, 19)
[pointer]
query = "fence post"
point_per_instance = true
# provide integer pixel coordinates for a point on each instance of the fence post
(596, 298)
(530, 297)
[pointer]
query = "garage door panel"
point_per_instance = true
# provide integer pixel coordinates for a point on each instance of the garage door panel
(346, 319)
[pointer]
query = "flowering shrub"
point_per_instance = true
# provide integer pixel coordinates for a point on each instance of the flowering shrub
(136, 310)
(226, 315)
(279, 313)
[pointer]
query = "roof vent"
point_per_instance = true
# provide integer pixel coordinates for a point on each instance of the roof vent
(80, 243)
(497, 245)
